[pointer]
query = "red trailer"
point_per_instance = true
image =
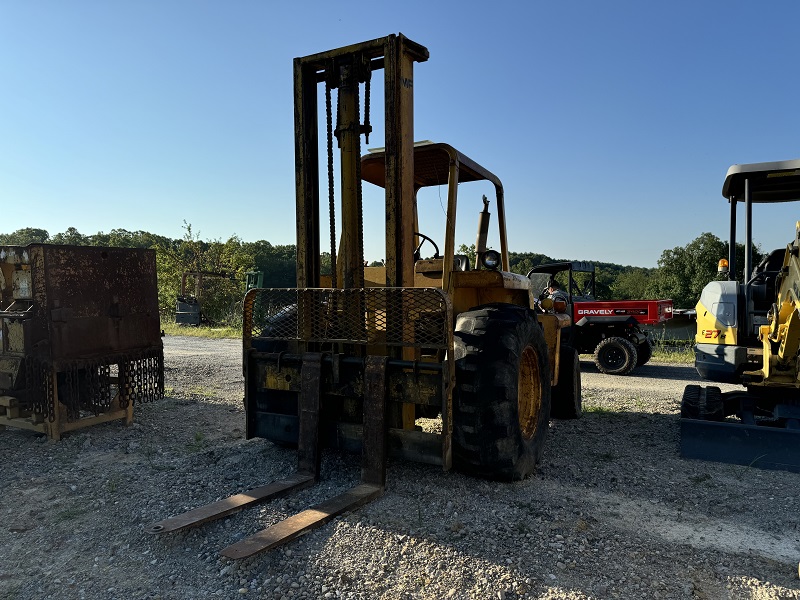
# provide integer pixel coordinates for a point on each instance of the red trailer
(645, 312)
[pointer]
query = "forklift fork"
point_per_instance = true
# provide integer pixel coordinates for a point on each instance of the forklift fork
(373, 470)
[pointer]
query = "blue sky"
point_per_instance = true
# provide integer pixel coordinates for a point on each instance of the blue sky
(611, 124)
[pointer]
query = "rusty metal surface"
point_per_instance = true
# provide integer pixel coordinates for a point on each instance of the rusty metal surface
(82, 323)
(308, 447)
(87, 301)
(296, 525)
(373, 455)
(231, 504)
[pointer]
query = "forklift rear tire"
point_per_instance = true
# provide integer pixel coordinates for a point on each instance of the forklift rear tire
(502, 405)
(567, 402)
(615, 356)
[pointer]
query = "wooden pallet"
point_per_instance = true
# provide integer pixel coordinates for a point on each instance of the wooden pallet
(12, 414)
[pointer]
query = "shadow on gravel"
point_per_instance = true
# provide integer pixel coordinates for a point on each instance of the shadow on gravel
(649, 371)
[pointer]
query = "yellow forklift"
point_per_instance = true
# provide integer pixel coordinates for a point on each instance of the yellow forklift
(359, 357)
(748, 333)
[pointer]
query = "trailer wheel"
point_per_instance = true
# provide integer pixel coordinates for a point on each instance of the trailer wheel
(615, 356)
(644, 352)
(704, 403)
(502, 405)
(567, 402)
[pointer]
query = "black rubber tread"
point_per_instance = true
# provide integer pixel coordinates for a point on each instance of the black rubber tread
(713, 406)
(644, 352)
(487, 438)
(567, 402)
(615, 356)
(703, 403)
(690, 403)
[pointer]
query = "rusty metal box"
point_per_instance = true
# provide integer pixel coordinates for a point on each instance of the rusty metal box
(79, 331)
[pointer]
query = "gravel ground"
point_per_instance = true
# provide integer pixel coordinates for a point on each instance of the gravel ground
(612, 512)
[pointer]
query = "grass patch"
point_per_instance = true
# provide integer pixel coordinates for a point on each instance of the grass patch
(200, 390)
(596, 409)
(215, 333)
(198, 443)
(676, 356)
(679, 352)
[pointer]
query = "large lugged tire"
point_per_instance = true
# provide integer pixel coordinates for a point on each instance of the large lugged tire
(644, 352)
(615, 356)
(502, 405)
(567, 402)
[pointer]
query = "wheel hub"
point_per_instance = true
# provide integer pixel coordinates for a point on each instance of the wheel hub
(529, 393)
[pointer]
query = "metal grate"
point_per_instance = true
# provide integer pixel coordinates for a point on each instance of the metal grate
(409, 317)
(90, 384)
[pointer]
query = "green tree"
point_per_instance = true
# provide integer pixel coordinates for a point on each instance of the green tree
(277, 263)
(214, 272)
(683, 272)
(71, 237)
(634, 283)
(23, 237)
(522, 262)
(122, 238)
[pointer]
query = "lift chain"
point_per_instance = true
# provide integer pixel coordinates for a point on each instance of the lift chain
(362, 72)
(359, 202)
(366, 77)
(331, 201)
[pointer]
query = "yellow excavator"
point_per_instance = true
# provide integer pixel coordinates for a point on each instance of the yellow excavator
(361, 359)
(748, 333)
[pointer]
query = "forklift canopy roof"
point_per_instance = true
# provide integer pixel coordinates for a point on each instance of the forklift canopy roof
(769, 182)
(431, 166)
(575, 265)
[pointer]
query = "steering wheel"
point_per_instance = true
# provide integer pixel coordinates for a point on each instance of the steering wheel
(425, 238)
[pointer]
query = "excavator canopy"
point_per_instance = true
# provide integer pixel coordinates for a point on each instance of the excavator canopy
(777, 181)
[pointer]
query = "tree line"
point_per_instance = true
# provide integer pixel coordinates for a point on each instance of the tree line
(681, 274)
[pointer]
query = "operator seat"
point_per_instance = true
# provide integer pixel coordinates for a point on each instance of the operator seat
(762, 288)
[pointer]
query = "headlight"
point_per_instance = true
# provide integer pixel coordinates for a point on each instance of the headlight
(491, 259)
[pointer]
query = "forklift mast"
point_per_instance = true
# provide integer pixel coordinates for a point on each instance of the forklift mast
(345, 69)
